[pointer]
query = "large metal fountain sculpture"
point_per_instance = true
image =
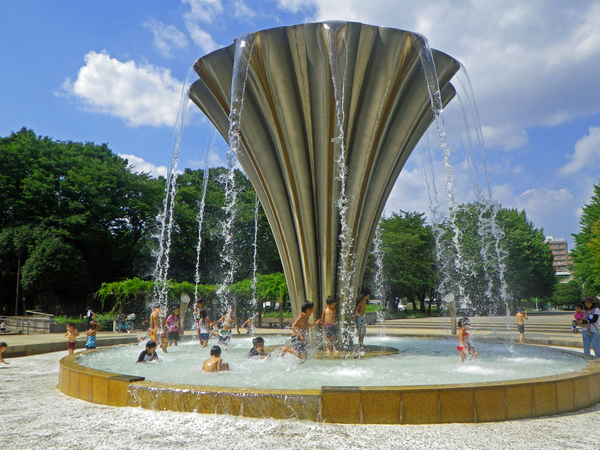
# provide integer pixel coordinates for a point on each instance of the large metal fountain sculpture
(331, 113)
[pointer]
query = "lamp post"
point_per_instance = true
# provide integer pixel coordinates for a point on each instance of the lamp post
(19, 253)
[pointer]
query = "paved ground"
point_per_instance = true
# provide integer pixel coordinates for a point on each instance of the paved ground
(34, 414)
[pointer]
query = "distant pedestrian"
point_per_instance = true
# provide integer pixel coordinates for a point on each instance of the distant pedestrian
(89, 315)
(591, 336)
(521, 316)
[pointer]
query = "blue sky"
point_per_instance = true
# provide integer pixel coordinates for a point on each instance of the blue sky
(111, 72)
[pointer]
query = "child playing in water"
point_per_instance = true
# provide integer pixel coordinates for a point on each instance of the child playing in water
(3, 347)
(259, 348)
(91, 335)
(227, 322)
(328, 317)
(173, 323)
(249, 324)
(71, 336)
(204, 325)
(359, 317)
(464, 347)
(149, 354)
(215, 363)
(157, 329)
(299, 329)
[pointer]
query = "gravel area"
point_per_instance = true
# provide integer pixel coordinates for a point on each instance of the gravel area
(35, 415)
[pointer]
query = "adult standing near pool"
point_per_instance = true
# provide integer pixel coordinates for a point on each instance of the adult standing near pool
(590, 335)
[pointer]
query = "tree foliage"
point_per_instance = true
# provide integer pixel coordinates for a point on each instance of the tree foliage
(586, 254)
(75, 213)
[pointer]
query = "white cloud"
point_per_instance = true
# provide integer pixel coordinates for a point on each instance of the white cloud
(200, 37)
(138, 165)
(587, 153)
(166, 37)
(203, 10)
(139, 94)
(242, 11)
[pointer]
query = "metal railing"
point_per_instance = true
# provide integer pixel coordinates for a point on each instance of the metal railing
(28, 325)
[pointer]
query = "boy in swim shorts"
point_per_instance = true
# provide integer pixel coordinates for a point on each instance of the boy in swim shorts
(359, 317)
(71, 336)
(329, 317)
(299, 329)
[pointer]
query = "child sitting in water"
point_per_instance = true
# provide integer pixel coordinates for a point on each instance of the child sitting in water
(259, 348)
(149, 354)
(464, 347)
(215, 363)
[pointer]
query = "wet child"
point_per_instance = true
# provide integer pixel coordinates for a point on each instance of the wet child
(157, 330)
(227, 322)
(91, 335)
(249, 324)
(3, 347)
(215, 363)
(464, 347)
(521, 316)
(173, 324)
(359, 317)
(71, 336)
(258, 351)
(204, 325)
(328, 318)
(149, 354)
(299, 329)
(198, 308)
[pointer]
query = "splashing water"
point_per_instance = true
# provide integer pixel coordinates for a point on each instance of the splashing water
(200, 215)
(379, 281)
(243, 52)
(454, 266)
(255, 253)
(165, 219)
(338, 60)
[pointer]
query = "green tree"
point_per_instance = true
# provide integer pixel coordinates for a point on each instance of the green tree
(409, 262)
(586, 253)
(489, 241)
(567, 294)
(82, 206)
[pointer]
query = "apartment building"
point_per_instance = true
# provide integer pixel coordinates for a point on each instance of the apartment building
(560, 254)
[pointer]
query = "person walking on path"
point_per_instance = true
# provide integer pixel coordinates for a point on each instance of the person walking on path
(521, 317)
(590, 336)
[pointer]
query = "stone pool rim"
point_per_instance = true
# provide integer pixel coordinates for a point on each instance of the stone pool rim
(451, 403)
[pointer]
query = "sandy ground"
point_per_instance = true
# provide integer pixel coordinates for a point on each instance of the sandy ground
(35, 415)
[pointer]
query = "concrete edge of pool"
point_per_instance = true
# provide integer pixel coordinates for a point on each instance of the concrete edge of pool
(457, 403)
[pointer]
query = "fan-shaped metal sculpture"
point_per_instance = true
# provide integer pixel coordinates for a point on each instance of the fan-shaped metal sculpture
(289, 125)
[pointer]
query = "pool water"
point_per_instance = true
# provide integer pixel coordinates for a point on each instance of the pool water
(418, 362)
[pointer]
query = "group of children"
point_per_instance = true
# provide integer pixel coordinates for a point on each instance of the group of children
(92, 328)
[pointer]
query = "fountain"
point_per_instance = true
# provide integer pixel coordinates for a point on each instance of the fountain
(331, 113)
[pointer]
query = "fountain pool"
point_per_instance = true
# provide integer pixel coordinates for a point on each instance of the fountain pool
(498, 386)
(419, 362)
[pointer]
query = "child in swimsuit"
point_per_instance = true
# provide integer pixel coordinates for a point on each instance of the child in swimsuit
(328, 317)
(259, 348)
(204, 324)
(149, 354)
(71, 336)
(464, 347)
(91, 335)
(359, 317)
(299, 329)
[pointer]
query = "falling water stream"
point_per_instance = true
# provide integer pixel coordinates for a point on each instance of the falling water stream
(243, 52)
